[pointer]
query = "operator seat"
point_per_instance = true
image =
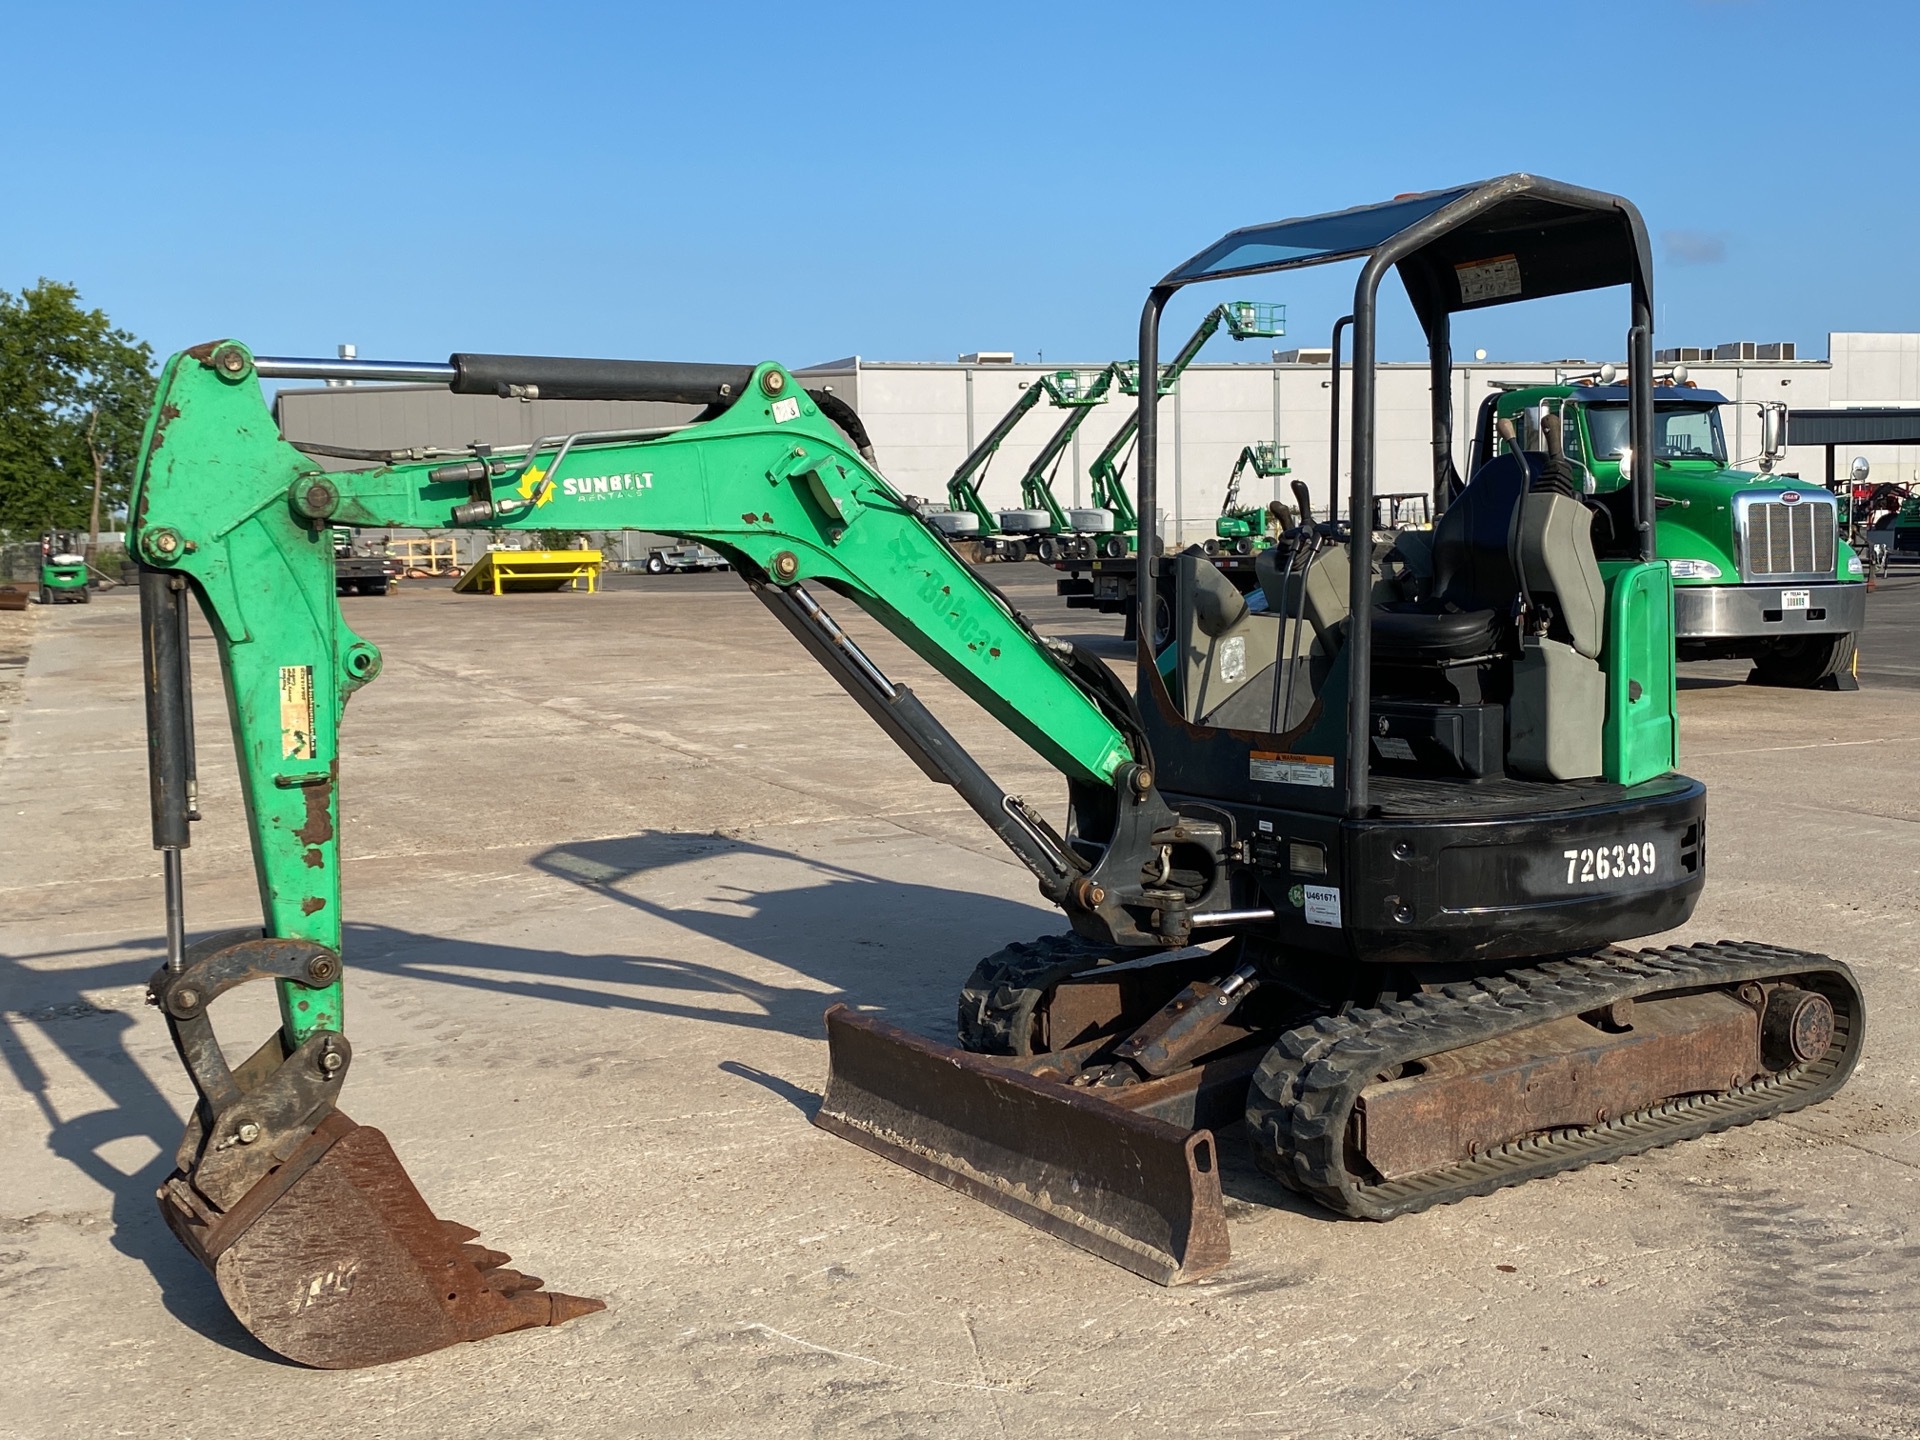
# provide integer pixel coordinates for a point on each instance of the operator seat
(1476, 577)
(1516, 541)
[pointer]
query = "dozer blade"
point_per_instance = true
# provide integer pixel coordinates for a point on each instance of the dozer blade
(1133, 1189)
(334, 1260)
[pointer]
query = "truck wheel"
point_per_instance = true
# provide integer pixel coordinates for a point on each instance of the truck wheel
(656, 566)
(86, 594)
(1809, 662)
(46, 594)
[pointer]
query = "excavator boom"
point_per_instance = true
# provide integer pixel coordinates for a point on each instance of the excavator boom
(275, 1186)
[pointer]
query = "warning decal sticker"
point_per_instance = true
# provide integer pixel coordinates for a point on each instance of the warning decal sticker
(1315, 770)
(1483, 280)
(296, 713)
(1323, 904)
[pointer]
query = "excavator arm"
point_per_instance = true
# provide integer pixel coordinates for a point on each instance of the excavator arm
(229, 515)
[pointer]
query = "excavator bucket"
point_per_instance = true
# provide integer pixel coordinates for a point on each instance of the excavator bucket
(1119, 1181)
(316, 1236)
(334, 1260)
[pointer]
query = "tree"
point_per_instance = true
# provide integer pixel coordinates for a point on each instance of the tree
(74, 396)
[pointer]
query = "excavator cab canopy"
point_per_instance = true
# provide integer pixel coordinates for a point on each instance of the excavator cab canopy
(1516, 243)
(1495, 242)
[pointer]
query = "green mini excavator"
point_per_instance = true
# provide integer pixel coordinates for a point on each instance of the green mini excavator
(1347, 863)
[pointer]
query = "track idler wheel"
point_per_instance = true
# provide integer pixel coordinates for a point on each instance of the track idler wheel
(318, 1239)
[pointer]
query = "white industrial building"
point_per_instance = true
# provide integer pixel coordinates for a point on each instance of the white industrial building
(925, 417)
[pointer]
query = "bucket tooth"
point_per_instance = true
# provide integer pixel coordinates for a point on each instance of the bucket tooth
(334, 1260)
(510, 1282)
(481, 1258)
(1130, 1188)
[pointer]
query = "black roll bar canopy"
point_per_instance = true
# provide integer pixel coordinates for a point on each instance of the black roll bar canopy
(1518, 237)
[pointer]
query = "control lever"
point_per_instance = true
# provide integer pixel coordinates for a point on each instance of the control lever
(1303, 500)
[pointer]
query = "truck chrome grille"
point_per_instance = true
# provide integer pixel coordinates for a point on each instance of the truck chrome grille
(1788, 540)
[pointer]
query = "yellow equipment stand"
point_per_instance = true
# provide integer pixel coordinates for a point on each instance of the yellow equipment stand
(523, 571)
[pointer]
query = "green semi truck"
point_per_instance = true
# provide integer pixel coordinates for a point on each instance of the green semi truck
(1760, 570)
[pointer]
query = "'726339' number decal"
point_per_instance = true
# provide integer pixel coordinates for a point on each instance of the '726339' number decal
(1609, 862)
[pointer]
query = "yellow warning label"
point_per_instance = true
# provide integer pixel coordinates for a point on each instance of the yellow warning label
(296, 713)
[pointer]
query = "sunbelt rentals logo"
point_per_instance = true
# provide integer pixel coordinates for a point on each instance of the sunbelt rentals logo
(535, 485)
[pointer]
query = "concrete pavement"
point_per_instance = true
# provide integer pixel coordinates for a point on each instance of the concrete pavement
(607, 860)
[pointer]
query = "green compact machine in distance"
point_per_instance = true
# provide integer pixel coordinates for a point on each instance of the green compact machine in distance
(1760, 568)
(63, 569)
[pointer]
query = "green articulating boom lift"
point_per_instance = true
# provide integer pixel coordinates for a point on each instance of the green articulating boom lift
(1372, 846)
(968, 516)
(1243, 528)
(1245, 320)
(1064, 529)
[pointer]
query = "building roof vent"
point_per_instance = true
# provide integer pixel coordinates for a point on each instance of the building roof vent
(987, 357)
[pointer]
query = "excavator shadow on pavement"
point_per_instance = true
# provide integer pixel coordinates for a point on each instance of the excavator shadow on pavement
(846, 933)
(94, 1040)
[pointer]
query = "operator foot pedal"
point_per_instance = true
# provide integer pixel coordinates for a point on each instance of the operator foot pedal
(334, 1260)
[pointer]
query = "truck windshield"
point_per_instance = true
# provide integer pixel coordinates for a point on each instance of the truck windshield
(1679, 432)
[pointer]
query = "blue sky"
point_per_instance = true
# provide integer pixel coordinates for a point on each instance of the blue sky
(906, 182)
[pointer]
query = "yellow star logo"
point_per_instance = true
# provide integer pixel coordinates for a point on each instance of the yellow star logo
(532, 481)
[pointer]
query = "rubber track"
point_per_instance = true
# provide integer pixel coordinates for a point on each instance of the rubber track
(1304, 1091)
(999, 999)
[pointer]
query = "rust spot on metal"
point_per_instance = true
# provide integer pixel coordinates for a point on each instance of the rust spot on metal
(751, 518)
(1567, 1073)
(312, 905)
(169, 413)
(319, 827)
(314, 858)
(203, 352)
(994, 652)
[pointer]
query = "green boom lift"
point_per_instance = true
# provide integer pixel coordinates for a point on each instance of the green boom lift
(1242, 528)
(1245, 320)
(1371, 845)
(1064, 528)
(968, 516)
